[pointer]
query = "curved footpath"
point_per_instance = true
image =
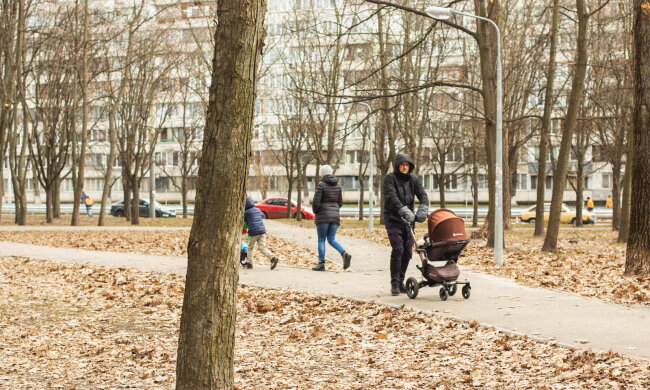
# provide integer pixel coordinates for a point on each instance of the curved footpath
(565, 318)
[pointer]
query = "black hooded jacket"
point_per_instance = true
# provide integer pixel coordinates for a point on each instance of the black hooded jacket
(328, 199)
(401, 190)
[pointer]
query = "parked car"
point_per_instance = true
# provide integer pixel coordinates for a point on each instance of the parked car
(117, 209)
(274, 208)
(568, 215)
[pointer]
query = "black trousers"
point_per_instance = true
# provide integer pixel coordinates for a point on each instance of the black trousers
(401, 243)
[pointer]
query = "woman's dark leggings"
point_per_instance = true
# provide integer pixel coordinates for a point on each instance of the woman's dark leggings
(402, 243)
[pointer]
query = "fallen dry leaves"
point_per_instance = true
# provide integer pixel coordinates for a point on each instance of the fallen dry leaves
(588, 262)
(78, 326)
(156, 242)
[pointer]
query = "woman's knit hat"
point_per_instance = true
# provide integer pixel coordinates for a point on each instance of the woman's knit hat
(325, 170)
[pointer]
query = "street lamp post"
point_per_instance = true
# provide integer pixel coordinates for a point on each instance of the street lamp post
(442, 13)
(371, 168)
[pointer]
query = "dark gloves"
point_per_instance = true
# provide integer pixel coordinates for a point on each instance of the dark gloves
(406, 214)
(422, 213)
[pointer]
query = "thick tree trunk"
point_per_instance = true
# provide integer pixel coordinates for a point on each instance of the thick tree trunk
(486, 39)
(546, 124)
(575, 99)
(637, 260)
(207, 333)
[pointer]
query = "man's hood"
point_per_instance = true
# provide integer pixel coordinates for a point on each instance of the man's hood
(400, 158)
(249, 202)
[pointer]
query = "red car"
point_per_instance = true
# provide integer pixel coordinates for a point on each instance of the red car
(274, 208)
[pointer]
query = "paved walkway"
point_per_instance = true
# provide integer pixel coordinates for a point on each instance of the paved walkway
(561, 317)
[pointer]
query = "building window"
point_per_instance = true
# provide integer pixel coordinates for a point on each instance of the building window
(549, 182)
(351, 157)
(482, 182)
(522, 181)
(533, 182)
(607, 180)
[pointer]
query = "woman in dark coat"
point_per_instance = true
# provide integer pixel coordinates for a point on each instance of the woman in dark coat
(328, 199)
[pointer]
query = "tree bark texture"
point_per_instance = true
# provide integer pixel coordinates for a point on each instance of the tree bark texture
(637, 260)
(486, 40)
(575, 99)
(207, 333)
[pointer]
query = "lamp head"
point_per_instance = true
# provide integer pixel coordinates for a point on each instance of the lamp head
(440, 13)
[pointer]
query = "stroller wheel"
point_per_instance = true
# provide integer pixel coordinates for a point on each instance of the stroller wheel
(466, 292)
(443, 294)
(412, 287)
(452, 289)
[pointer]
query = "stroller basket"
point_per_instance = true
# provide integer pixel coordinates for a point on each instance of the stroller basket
(447, 273)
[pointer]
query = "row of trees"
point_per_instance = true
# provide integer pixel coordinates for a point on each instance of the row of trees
(92, 88)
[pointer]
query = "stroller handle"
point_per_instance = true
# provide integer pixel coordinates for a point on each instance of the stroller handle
(410, 228)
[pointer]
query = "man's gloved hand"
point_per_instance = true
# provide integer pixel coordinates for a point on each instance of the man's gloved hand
(422, 213)
(407, 214)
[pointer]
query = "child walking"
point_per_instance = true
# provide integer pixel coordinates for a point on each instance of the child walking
(256, 233)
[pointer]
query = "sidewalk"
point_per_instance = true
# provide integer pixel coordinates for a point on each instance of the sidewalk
(561, 317)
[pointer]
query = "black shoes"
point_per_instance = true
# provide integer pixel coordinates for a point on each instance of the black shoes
(395, 288)
(248, 265)
(346, 259)
(402, 288)
(319, 267)
(274, 262)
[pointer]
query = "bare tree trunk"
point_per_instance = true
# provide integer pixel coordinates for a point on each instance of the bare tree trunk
(299, 192)
(84, 123)
(616, 196)
(637, 261)
(56, 198)
(184, 194)
(624, 228)
(575, 99)
(207, 332)
(362, 189)
(546, 124)
(579, 189)
(486, 39)
(135, 205)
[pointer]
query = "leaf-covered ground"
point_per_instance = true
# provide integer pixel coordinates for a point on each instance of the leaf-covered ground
(161, 242)
(79, 326)
(588, 262)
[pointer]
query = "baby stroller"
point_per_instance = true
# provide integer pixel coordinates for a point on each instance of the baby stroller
(445, 240)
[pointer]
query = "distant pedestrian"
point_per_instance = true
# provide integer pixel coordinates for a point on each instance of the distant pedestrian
(590, 204)
(328, 199)
(609, 203)
(88, 201)
(256, 233)
(400, 189)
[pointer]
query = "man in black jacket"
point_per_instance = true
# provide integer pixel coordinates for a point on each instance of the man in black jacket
(400, 188)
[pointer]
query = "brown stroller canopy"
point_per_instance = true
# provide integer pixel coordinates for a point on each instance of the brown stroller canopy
(444, 225)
